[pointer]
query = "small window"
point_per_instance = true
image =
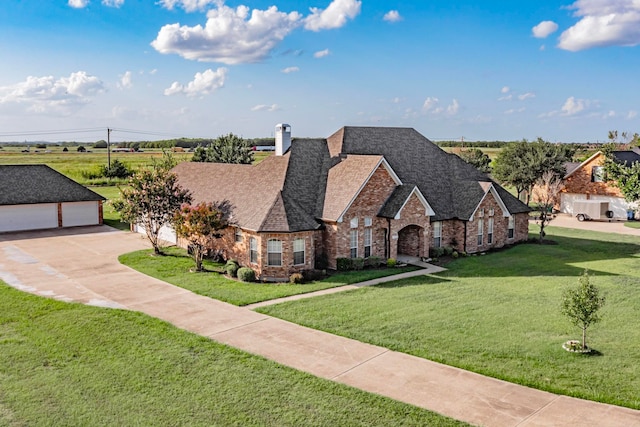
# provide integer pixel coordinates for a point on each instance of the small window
(437, 234)
(354, 223)
(238, 235)
(274, 253)
(491, 212)
(481, 212)
(480, 232)
(367, 241)
(298, 252)
(253, 250)
(354, 244)
(490, 231)
(368, 222)
(511, 227)
(597, 174)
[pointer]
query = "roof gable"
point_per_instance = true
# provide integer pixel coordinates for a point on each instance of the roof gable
(583, 164)
(30, 184)
(399, 199)
(489, 189)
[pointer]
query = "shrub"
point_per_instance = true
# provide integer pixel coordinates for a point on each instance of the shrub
(448, 250)
(232, 261)
(357, 263)
(321, 262)
(373, 261)
(391, 262)
(343, 264)
(232, 269)
(311, 275)
(296, 278)
(454, 254)
(246, 274)
(436, 252)
(117, 170)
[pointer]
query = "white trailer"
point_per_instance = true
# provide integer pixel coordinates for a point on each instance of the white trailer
(592, 210)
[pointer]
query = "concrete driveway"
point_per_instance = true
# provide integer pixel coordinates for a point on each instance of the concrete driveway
(81, 265)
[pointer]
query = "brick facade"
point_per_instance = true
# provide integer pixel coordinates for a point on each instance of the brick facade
(411, 233)
(580, 181)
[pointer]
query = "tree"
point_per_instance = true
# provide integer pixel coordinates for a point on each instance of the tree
(225, 149)
(100, 144)
(200, 224)
(546, 193)
(477, 158)
(623, 175)
(152, 198)
(81, 149)
(521, 164)
(581, 305)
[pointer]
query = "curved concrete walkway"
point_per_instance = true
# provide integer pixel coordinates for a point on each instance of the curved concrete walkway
(81, 265)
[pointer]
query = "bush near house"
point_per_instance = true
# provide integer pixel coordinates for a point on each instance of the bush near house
(232, 268)
(246, 274)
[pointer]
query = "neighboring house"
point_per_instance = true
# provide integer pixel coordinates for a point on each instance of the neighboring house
(362, 192)
(34, 197)
(587, 181)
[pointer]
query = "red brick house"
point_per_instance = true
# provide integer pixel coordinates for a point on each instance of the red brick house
(364, 191)
(587, 181)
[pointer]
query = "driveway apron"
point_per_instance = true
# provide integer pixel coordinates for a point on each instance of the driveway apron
(80, 265)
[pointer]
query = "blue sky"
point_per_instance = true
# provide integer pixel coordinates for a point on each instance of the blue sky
(483, 70)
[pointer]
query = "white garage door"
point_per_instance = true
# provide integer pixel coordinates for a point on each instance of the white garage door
(616, 204)
(567, 199)
(28, 217)
(167, 233)
(80, 213)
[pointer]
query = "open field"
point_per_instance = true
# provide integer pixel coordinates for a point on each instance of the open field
(73, 163)
(175, 265)
(499, 315)
(70, 364)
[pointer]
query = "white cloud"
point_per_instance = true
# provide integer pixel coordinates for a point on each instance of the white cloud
(334, 16)
(505, 89)
(290, 70)
(603, 23)
(453, 108)
(262, 107)
(506, 98)
(153, 72)
(526, 96)
(202, 84)
(188, 5)
(430, 103)
(125, 81)
(78, 4)
(48, 94)
(321, 53)
(396, 100)
(230, 36)
(544, 29)
(574, 106)
(392, 16)
(632, 114)
(113, 3)
(515, 110)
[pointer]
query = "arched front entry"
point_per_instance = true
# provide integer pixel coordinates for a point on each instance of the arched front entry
(410, 241)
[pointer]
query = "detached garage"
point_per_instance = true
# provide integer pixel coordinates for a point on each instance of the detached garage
(36, 197)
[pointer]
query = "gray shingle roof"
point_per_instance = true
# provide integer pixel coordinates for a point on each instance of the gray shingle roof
(626, 157)
(30, 184)
(395, 202)
(450, 185)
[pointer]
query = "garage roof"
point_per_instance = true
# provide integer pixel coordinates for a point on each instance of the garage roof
(30, 184)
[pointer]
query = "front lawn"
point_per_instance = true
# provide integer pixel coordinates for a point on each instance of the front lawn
(175, 265)
(74, 365)
(111, 217)
(499, 314)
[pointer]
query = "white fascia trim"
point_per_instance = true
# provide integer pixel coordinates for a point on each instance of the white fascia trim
(503, 207)
(386, 165)
(428, 211)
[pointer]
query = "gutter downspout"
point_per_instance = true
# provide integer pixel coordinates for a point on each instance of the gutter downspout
(388, 242)
(464, 245)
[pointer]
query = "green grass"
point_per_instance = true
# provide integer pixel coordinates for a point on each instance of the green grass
(110, 216)
(499, 315)
(175, 265)
(69, 364)
(632, 224)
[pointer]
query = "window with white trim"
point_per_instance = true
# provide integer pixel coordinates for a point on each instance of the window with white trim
(353, 253)
(367, 242)
(480, 232)
(597, 174)
(354, 222)
(253, 250)
(481, 212)
(491, 212)
(490, 231)
(437, 234)
(238, 235)
(298, 252)
(274, 252)
(368, 222)
(511, 227)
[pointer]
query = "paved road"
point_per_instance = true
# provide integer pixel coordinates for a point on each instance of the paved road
(81, 265)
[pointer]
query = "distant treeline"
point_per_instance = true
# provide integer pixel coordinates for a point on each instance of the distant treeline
(178, 142)
(500, 144)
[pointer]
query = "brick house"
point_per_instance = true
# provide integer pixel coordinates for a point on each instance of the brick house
(586, 181)
(364, 191)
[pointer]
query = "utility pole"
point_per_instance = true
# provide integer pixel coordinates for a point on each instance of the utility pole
(109, 147)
